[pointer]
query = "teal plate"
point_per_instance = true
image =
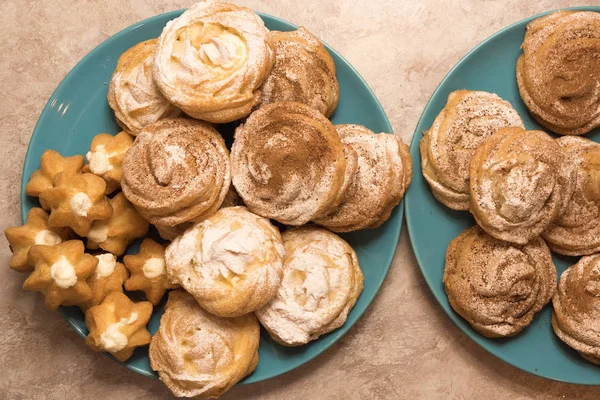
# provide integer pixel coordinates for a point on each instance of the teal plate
(78, 110)
(491, 67)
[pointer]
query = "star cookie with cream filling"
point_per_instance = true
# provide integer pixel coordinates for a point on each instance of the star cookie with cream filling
(60, 273)
(106, 158)
(34, 231)
(108, 277)
(76, 201)
(147, 270)
(51, 163)
(117, 232)
(118, 325)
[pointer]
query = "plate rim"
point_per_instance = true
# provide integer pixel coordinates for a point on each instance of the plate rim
(411, 223)
(395, 229)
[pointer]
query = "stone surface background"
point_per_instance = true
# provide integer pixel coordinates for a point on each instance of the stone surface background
(404, 346)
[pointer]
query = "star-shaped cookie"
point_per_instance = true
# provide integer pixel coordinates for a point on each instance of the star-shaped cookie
(148, 272)
(107, 278)
(60, 273)
(118, 325)
(76, 201)
(117, 232)
(51, 164)
(35, 231)
(106, 158)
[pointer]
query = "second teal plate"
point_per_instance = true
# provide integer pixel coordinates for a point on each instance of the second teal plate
(491, 67)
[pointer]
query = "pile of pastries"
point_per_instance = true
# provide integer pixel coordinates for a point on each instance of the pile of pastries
(230, 267)
(529, 193)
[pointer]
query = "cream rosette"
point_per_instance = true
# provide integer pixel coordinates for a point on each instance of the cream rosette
(559, 71)
(498, 286)
(382, 176)
(520, 182)
(576, 316)
(133, 94)
(211, 61)
(465, 123)
(176, 171)
(576, 231)
(231, 263)
(197, 354)
(303, 72)
(288, 163)
(321, 283)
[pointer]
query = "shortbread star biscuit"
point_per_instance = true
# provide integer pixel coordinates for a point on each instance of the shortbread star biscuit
(106, 156)
(51, 163)
(108, 277)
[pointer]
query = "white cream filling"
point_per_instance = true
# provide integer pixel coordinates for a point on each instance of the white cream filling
(99, 232)
(154, 267)
(113, 339)
(98, 159)
(63, 273)
(80, 204)
(47, 238)
(106, 265)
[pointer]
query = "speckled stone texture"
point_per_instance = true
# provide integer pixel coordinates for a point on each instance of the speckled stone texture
(404, 346)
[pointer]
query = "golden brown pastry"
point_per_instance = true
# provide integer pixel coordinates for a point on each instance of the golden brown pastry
(576, 231)
(212, 59)
(107, 278)
(133, 94)
(498, 286)
(576, 316)
(176, 171)
(118, 325)
(120, 230)
(303, 72)
(106, 158)
(197, 354)
(148, 271)
(288, 163)
(464, 124)
(51, 164)
(321, 283)
(34, 231)
(383, 173)
(520, 182)
(559, 71)
(76, 201)
(60, 273)
(231, 263)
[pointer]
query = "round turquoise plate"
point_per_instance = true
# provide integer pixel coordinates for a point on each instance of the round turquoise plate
(491, 67)
(78, 110)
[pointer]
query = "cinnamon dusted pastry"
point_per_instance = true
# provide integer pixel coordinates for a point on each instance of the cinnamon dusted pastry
(576, 231)
(106, 158)
(231, 262)
(118, 326)
(76, 201)
(51, 163)
(464, 124)
(321, 283)
(114, 234)
(383, 174)
(176, 171)
(197, 354)
(211, 61)
(133, 94)
(60, 273)
(303, 72)
(498, 286)
(288, 163)
(576, 316)
(559, 71)
(520, 182)
(34, 231)
(108, 277)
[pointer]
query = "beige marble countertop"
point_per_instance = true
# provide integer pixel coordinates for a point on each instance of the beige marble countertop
(404, 346)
